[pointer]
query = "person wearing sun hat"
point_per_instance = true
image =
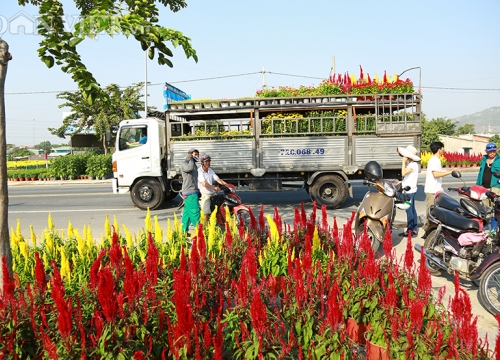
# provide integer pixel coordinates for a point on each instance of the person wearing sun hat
(409, 171)
(489, 165)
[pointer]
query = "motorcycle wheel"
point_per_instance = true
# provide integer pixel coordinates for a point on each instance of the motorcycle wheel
(244, 216)
(489, 289)
(429, 244)
(373, 239)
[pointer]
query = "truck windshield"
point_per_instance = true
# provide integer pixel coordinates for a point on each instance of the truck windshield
(131, 137)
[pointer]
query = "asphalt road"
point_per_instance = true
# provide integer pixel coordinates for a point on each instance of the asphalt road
(88, 202)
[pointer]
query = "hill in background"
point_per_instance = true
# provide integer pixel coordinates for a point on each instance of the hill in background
(486, 121)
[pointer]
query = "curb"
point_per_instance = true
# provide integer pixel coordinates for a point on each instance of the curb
(463, 170)
(57, 182)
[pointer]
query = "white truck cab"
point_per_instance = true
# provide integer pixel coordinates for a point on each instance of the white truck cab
(138, 160)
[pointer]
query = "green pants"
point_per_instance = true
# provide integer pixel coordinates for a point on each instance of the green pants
(191, 213)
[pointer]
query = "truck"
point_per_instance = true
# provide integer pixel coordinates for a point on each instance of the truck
(316, 143)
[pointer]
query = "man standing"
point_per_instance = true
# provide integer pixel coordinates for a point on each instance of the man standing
(191, 213)
(435, 173)
(206, 177)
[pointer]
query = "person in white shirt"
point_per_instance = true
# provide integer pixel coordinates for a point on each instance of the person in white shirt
(435, 173)
(206, 178)
(409, 171)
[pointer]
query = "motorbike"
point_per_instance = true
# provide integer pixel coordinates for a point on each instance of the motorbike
(377, 210)
(460, 237)
(227, 197)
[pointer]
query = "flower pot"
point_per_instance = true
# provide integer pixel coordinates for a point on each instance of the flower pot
(355, 331)
(215, 105)
(375, 352)
(189, 106)
(232, 103)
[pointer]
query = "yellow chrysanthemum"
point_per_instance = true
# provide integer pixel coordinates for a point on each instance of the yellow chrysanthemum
(273, 229)
(71, 235)
(128, 238)
(115, 225)
(33, 236)
(50, 222)
(147, 223)
(107, 227)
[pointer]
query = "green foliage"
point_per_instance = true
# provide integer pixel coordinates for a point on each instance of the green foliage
(99, 166)
(104, 113)
(16, 152)
(435, 127)
(466, 129)
(495, 139)
(138, 19)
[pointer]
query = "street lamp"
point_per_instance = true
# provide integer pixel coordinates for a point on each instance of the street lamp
(419, 76)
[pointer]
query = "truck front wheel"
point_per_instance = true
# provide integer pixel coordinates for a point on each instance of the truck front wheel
(147, 193)
(329, 190)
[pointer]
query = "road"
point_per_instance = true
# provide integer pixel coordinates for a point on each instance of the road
(88, 202)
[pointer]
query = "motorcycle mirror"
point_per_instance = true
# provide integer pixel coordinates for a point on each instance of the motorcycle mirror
(456, 174)
(406, 188)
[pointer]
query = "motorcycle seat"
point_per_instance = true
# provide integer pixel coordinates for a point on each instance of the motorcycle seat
(455, 220)
(447, 202)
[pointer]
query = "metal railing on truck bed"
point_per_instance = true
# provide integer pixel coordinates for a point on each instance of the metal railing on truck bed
(296, 134)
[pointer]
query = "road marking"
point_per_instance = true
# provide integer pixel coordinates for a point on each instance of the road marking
(69, 210)
(54, 195)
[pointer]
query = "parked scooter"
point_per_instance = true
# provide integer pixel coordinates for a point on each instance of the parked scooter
(378, 209)
(456, 241)
(227, 197)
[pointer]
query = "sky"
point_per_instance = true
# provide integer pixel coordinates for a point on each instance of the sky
(454, 44)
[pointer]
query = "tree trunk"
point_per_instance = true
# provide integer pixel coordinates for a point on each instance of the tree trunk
(104, 145)
(5, 252)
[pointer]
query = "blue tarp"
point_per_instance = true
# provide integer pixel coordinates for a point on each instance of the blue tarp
(171, 93)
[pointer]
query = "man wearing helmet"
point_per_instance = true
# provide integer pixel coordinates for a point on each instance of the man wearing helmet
(206, 177)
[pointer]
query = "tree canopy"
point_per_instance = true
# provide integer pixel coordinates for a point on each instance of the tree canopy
(138, 19)
(466, 129)
(102, 115)
(435, 127)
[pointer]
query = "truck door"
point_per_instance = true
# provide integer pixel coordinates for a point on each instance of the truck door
(134, 153)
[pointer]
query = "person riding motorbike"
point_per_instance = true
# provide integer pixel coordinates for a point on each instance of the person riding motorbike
(206, 178)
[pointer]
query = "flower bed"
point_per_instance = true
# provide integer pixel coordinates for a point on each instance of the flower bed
(453, 159)
(276, 291)
(342, 84)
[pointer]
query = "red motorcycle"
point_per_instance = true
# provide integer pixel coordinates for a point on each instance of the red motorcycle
(227, 197)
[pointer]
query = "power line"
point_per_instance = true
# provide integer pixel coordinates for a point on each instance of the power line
(246, 74)
(461, 89)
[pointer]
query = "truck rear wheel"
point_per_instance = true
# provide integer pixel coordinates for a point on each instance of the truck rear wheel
(147, 193)
(328, 190)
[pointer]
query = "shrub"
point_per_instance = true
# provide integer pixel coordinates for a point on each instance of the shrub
(156, 296)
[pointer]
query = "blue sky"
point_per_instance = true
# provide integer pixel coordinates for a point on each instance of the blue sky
(455, 43)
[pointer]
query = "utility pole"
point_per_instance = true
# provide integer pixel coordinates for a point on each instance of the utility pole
(332, 70)
(34, 142)
(264, 86)
(146, 84)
